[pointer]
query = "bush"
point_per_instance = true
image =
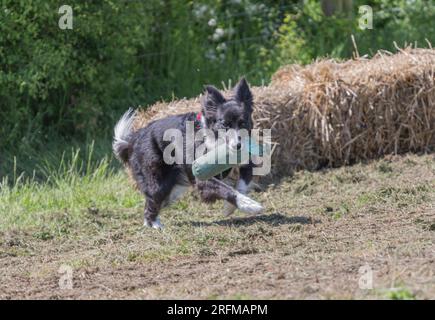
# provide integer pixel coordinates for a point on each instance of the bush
(119, 53)
(64, 80)
(308, 33)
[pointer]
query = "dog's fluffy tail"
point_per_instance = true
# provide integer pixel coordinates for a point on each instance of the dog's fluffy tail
(122, 135)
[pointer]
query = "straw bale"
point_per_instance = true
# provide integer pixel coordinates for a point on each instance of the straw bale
(332, 113)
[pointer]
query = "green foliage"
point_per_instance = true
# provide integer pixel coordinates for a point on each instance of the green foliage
(307, 33)
(63, 80)
(70, 195)
(211, 42)
(400, 294)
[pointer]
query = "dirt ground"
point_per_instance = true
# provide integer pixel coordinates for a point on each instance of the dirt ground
(359, 232)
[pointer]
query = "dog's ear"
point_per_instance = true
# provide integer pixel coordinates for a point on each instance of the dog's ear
(211, 100)
(243, 94)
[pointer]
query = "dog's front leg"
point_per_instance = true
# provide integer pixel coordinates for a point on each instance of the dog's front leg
(243, 186)
(214, 189)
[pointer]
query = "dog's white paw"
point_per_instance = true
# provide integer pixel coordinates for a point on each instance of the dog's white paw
(229, 208)
(155, 224)
(248, 205)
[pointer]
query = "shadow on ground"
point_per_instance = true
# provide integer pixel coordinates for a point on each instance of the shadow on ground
(274, 219)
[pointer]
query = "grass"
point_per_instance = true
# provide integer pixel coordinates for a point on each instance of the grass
(71, 196)
(400, 294)
(318, 229)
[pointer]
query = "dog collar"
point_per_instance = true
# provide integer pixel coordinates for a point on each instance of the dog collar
(198, 122)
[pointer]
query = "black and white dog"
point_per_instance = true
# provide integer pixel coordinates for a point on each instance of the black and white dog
(163, 183)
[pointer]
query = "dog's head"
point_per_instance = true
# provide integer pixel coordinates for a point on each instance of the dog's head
(233, 115)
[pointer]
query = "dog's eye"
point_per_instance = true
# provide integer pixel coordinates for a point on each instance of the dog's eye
(225, 124)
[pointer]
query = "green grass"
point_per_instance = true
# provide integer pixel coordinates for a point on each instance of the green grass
(73, 194)
(400, 294)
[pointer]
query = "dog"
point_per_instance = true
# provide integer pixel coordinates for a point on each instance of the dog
(161, 183)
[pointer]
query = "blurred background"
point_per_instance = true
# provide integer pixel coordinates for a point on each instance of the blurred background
(63, 89)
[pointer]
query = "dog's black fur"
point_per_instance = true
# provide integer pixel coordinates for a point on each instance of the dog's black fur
(161, 183)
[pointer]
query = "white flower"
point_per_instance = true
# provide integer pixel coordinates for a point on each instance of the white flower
(200, 11)
(218, 33)
(210, 54)
(212, 22)
(221, 46)
(254, 8)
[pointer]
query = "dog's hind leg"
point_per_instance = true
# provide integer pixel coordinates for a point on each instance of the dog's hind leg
(162, 192)
(157, 183)
(214, 189)
(181, 185)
